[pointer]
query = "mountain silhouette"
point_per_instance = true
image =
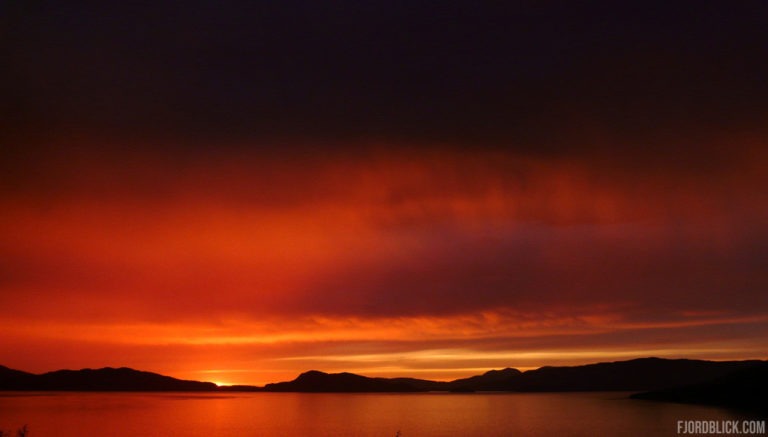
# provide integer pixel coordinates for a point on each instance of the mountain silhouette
(731, 379)
(106, 379)
(743, 389)
(492, 380)
(316, 381)
(632, 375)
(11, 379)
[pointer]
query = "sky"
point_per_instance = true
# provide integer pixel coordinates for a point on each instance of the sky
(241, 191)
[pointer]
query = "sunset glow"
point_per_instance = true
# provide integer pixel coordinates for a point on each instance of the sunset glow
(434, 264)
(242, 192)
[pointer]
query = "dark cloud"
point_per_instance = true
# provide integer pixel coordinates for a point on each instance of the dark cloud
(484, 72)
(416, 233)
(539, 269)
(591, 175)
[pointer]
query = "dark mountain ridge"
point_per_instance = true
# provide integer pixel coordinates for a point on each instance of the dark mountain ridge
(743, 389)
(316, 381)
(488, 381)
(106, 379)
(632, 375)
(642, 374)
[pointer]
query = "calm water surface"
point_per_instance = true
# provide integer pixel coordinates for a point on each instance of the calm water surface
(300, 414)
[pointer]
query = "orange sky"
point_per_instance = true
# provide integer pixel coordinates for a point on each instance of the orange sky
(245, 264)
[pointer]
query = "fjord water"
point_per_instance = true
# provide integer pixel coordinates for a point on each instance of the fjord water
(305, 414)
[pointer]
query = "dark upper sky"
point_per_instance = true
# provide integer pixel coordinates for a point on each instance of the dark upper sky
(458, 72)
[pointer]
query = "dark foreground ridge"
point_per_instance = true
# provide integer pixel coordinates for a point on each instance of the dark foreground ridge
(731, 383)
(742, 389)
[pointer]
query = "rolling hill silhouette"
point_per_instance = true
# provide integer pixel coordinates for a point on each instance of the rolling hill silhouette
(719, 383)
(106, 379)
(632, 375)
(315, 381)
(488, 381)
(743, 389)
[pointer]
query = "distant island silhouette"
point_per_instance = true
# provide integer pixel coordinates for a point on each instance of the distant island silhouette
(739, 384)
(106, 379)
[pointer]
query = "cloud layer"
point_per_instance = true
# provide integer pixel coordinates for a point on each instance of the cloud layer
(485, 256)
(255, 189)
